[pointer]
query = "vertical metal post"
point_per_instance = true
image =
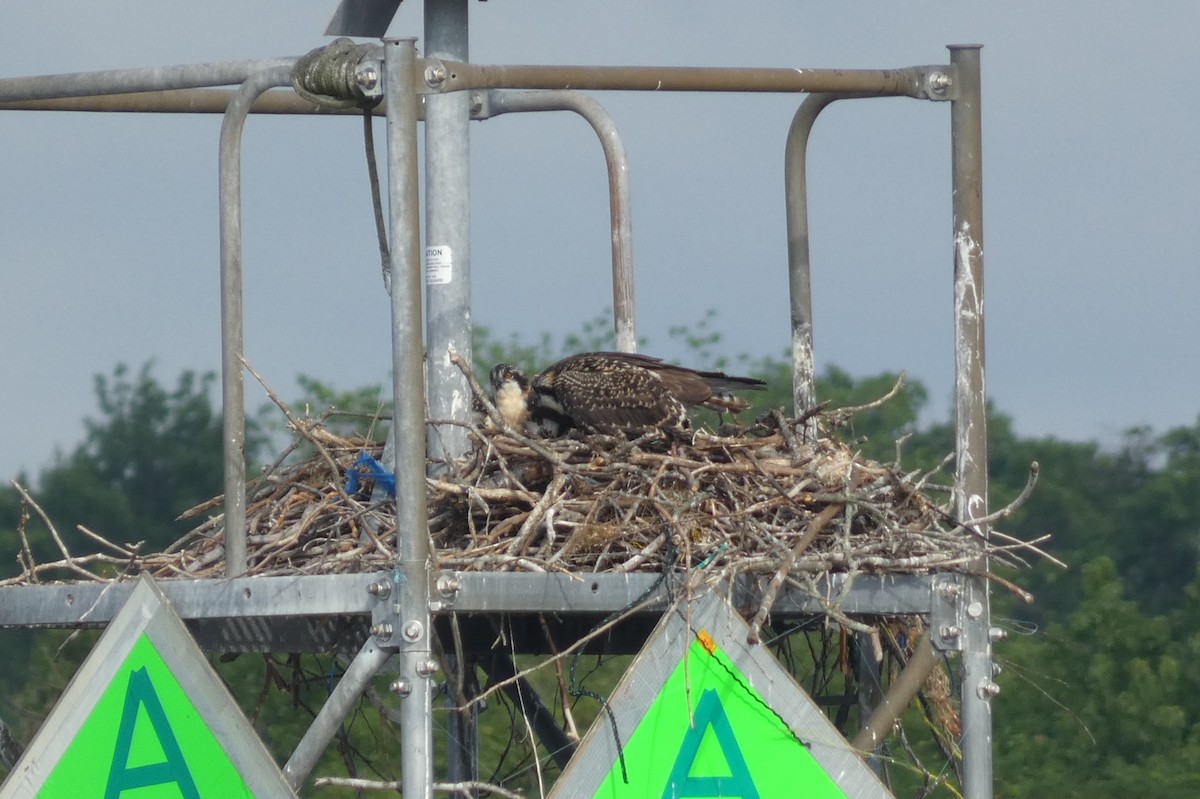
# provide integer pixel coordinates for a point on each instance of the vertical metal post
(971, 475)
(795, 190)
(233, 390)
(408, 422)
(447, 232)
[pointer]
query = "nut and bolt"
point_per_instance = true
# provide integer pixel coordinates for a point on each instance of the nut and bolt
(427, 668)
(381, 589)
(939, 82)
(367, 77)
(412, 631)
(988, 689)
(447, 585)
(382, 630)
(435, 75)
(400, 687)
(949, 632)
(949, 591)
(996, 634)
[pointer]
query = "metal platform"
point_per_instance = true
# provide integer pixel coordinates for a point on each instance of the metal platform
(387, 617)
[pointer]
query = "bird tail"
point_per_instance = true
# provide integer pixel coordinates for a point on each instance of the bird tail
(722, 383)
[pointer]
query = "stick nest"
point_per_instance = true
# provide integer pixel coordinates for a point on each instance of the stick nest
(741, 503)
(777, 498)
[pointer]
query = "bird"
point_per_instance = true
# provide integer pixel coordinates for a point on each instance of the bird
(613, 392)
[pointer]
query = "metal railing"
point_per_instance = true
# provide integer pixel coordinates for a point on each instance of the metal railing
(406, 617)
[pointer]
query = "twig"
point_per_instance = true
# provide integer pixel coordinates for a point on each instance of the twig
(1008, 509)
(463, 788)
(850, 410)
(768, 599)
(300, 428)
(68, 561)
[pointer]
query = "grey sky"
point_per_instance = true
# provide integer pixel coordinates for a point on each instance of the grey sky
(108, 223)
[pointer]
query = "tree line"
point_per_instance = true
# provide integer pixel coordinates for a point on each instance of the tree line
(1099, 697)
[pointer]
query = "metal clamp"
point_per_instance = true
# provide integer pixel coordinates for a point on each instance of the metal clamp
(939, 84)
(947, 617)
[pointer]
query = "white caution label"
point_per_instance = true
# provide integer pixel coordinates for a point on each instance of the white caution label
(439, 265)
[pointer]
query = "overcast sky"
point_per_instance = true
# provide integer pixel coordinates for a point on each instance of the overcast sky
(108, 223)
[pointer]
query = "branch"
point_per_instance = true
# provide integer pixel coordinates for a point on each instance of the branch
(464, 788)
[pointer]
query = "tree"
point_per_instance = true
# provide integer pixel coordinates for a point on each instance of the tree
(151, 454)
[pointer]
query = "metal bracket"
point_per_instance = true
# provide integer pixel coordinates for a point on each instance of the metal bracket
(947, 619)
(368, 76)
(940, 83)
(446, 587)
(385, 612)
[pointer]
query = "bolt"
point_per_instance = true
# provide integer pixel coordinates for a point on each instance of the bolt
(382, 630)
(367, 77)
(997, 670)
(949, 632)
(476, 103)
(380, 589)
(435, 75)
(427, 668)
(939, 82)
(412, 631)
(400, 687)
(988, 689)
(975, 610)
(447, 585)
(996, 634)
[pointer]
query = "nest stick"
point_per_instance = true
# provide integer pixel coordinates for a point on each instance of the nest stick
(810, 534)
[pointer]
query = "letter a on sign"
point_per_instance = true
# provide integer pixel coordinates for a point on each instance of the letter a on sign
(173, 769)
(146, 716)
(703, 714)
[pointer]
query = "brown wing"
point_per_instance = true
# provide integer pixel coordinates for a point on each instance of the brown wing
(711, 390)
(612, 391)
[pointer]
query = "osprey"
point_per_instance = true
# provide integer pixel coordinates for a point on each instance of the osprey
(611, 392)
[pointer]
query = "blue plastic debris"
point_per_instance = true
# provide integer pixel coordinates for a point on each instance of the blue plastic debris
(369, 468)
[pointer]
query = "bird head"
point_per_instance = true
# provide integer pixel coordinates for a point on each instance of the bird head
(503, 373)
(510, 390)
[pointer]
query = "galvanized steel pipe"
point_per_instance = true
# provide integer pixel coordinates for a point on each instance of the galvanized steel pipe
(444, 76)
(971, 468)
(344, 699)
(121, 81)
(795, 191)
(619, 204)
(447, 238)
(408, 419)
(233, 394)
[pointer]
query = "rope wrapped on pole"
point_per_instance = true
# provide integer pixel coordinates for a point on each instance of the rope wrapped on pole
(334, 76)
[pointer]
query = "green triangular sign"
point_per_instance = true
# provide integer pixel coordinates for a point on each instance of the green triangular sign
(701, 713)
(144, 717)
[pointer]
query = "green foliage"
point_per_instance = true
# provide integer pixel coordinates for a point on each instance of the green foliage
(1101, 704)
(152, 453)
(359, 412)
(1100, 701)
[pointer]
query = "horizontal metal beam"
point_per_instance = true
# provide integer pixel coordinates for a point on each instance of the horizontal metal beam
(76, 604)
(87, 604)
(928, 82)
(489, 592)
(147, 79)
(184, 101)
